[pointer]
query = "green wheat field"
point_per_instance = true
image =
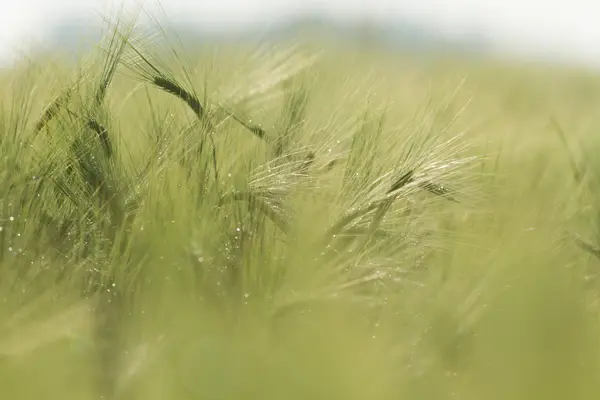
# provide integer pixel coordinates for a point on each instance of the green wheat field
(297, 220)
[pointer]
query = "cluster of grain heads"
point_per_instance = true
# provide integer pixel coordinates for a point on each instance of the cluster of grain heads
(93, 199)
(116, 219)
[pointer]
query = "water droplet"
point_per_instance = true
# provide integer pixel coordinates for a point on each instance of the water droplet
(10, 249)
(246, 295)
(12, 219)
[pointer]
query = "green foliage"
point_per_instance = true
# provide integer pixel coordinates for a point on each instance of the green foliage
(282, 225)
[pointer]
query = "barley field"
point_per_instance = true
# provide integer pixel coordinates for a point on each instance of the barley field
(297, 220)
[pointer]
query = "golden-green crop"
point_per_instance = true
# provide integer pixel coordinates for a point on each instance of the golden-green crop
(297, 222)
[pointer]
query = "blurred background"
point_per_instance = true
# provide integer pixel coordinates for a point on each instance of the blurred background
(557, 30)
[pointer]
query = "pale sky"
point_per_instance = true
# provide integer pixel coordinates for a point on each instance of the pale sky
(569, 28)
